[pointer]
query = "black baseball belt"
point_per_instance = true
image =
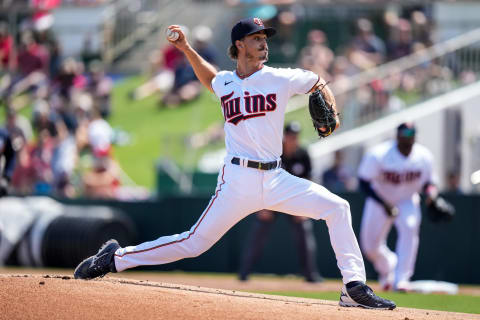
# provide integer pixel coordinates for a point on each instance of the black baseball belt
(258, 165)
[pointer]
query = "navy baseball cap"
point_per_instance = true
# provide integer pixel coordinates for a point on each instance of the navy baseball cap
(250, 26)
(406, 130)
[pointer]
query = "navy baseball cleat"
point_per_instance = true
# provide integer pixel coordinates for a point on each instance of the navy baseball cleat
(100, 264)
(361, 295)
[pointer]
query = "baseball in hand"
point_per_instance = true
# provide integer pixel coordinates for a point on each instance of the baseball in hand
(172, 35)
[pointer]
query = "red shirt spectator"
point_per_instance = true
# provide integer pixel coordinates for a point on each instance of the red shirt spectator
(171, 57)
(102, 180)
(33, 57)
(6, 46)
(24, 174)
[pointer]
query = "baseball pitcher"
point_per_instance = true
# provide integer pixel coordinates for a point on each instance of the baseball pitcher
(253, 99)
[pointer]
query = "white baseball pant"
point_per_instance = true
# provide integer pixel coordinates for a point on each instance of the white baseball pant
(392, 267)
(241, 191)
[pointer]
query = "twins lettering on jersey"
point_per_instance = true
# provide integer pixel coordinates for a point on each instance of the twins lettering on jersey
(397, 178)
(255, 106)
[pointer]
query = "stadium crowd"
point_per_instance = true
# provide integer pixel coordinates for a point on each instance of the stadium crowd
(65, 148)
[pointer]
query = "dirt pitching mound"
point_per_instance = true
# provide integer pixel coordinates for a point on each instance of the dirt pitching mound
(61, 297)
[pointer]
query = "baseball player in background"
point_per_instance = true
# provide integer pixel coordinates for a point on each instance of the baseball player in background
(296, 161)
(392, 174)
(253, 101)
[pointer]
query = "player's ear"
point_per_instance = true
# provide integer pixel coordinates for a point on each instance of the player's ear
(239, 44)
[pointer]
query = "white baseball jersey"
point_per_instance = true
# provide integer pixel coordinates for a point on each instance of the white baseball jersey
(254, 108)
(393, 176)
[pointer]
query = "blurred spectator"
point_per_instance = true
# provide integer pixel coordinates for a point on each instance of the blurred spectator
(100, 133)
(24, 176)
(339, 177)
(43, 118)
(163, 63)
(83, 110)
(421, 28)
(439, 80)
(284, 19)
(32, 62)
(19, 127)
(42, 155)
(6, 49)
(47, 38)
(317, 56)
(7, 161)
(366, 50)
(100, 87)
(297, 162)
(102, 179)
(64, 160)
(186, 86)
(69, 78)
(32, 56)
(401, 42)
(87, 54)
(453, 182)
(340, 72)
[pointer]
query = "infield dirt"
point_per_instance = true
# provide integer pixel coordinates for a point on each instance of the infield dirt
(61, 297)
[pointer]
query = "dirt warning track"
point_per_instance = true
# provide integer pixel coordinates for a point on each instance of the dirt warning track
(61, 297)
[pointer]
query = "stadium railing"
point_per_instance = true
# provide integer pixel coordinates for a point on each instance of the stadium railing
(402, 83)
(128, 22)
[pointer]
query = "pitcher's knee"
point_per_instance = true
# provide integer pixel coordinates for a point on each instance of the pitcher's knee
(197, 247)
(339, 212)
(195, 253)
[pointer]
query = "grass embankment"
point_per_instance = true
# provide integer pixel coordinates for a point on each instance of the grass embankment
(158, 132)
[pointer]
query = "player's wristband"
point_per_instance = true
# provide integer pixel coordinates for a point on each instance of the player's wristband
(431, 191)
(367, 188)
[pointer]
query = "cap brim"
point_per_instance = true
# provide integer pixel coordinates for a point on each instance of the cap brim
(270, 32)
(406, 133)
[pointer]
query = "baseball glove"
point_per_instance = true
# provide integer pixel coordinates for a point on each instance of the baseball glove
(323, 115)
(440, 210)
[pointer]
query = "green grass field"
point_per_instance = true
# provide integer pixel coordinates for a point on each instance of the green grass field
(441, 302)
